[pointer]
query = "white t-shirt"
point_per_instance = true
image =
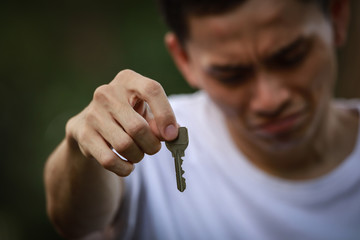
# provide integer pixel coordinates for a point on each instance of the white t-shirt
(226, 197)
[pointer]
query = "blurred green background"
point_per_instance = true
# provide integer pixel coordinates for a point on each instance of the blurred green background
(53, 56)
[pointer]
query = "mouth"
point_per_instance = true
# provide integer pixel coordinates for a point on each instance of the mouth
(281, 127)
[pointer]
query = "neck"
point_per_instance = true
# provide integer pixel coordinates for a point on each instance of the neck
(323, 151)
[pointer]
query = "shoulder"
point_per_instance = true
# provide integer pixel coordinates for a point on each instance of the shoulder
(349, 107)
(347, 103)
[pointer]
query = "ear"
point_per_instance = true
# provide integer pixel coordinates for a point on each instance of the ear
(181, 58)
(340, 16)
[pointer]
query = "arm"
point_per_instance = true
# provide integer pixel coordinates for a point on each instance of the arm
(83, 177)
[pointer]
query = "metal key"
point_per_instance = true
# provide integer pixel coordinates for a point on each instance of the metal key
(177, 148)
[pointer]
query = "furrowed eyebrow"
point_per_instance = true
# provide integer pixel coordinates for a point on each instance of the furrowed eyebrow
(288, 48)
(298, 43)
(244, 68)
(229, 74)
(228, 68)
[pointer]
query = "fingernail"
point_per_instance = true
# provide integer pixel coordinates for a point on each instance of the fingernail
(170, 132)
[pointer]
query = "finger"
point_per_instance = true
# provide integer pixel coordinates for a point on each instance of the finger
(161, 110)
(149, 117)
(152, 123)
(120, 125)
(95, 146)
(138, 129)
(109, 129)
(121, 141)
(151, 92)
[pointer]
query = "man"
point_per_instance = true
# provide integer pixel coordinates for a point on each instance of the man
(271, 155)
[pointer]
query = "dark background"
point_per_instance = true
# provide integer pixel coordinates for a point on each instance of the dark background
(53, 56)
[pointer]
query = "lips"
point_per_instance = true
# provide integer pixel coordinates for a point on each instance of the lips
(282, 126)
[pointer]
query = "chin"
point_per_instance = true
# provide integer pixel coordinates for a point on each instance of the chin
(282, 142)
(277, 146)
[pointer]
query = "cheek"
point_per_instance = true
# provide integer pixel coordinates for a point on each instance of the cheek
(313, 81)
(321, 74)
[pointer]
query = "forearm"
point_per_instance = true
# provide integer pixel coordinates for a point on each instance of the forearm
(82, 196)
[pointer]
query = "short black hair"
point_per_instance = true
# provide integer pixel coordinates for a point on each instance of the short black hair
(176, 12)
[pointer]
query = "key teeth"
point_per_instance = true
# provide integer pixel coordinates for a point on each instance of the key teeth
(182, 180)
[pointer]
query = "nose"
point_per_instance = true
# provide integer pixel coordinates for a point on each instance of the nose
(269, 96)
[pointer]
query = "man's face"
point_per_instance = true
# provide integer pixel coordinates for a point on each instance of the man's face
(269, 65)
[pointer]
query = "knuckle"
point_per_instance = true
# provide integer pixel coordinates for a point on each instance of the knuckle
(126, 170)
(153, 88)
(108, 161)
(129, 150)
(112, 163)
(137, 158)
(69, 127)
(123, 145)
(137, 128)
(83, 136)
(155, 148)
(126, 72)
(101, 93)
(125, 75)
(91, 117)
(85, 152)
(82, 144)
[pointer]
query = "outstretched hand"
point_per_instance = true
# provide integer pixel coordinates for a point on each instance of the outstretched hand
(131, 114)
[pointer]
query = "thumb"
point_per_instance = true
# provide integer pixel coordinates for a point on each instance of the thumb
(169, 131)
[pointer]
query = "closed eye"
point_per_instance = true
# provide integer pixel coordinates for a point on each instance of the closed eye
(290, 56)
(230, 75)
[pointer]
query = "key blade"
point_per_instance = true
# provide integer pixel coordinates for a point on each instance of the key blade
(180, 180)
(181, 185)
